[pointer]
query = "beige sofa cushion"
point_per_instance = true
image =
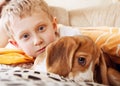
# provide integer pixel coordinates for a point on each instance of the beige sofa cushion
(61, 14)
(100, 16)
(89, 17)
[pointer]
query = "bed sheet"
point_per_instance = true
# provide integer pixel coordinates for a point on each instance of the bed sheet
(16, 76)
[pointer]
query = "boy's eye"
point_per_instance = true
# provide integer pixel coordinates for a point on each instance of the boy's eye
(41, 28)
(25, 36)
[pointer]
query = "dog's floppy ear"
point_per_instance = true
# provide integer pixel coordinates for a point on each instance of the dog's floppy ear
(114, 77)
(100, 72)
(59, 55)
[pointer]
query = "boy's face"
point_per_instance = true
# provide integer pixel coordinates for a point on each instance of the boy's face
(32, 34)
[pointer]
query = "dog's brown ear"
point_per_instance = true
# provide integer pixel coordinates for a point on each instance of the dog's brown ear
(59, 56)
(114, 77)
(100, 72)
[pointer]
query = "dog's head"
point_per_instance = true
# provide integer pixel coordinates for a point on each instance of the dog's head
(78, 58)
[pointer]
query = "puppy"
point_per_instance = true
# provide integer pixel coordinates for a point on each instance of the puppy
(78, 58)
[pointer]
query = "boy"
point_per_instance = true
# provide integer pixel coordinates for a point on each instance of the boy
(30, 25)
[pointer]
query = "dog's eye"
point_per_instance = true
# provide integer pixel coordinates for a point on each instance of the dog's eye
(81, 61)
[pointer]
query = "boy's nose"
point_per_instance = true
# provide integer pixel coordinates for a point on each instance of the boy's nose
(38, 41)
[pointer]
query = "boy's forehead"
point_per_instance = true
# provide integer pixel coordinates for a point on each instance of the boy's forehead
(30, 21)
(38, 16)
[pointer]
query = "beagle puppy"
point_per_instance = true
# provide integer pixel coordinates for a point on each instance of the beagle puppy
(78, 58)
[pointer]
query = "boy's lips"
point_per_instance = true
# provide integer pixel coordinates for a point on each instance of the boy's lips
(41, 50)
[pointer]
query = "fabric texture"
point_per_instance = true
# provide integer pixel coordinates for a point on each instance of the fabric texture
(26, 77)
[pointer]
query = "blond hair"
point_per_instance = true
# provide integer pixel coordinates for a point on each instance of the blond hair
(22, 8)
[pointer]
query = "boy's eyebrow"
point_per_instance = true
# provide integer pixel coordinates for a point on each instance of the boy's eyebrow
(39, 24)
(20, 33)
(35, 26)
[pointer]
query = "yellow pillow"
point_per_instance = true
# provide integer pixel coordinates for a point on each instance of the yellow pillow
(14, 56)
(106, 38)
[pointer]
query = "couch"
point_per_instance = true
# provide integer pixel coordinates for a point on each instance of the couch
(89, 17)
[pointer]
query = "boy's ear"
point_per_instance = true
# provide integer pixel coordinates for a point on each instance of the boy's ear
(13, 42)
(55, 23)
(54, 20)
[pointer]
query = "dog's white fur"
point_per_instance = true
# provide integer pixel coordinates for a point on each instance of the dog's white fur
(40, 63)
(83, 76)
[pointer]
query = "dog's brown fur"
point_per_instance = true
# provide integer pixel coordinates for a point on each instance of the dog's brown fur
(71, 56)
